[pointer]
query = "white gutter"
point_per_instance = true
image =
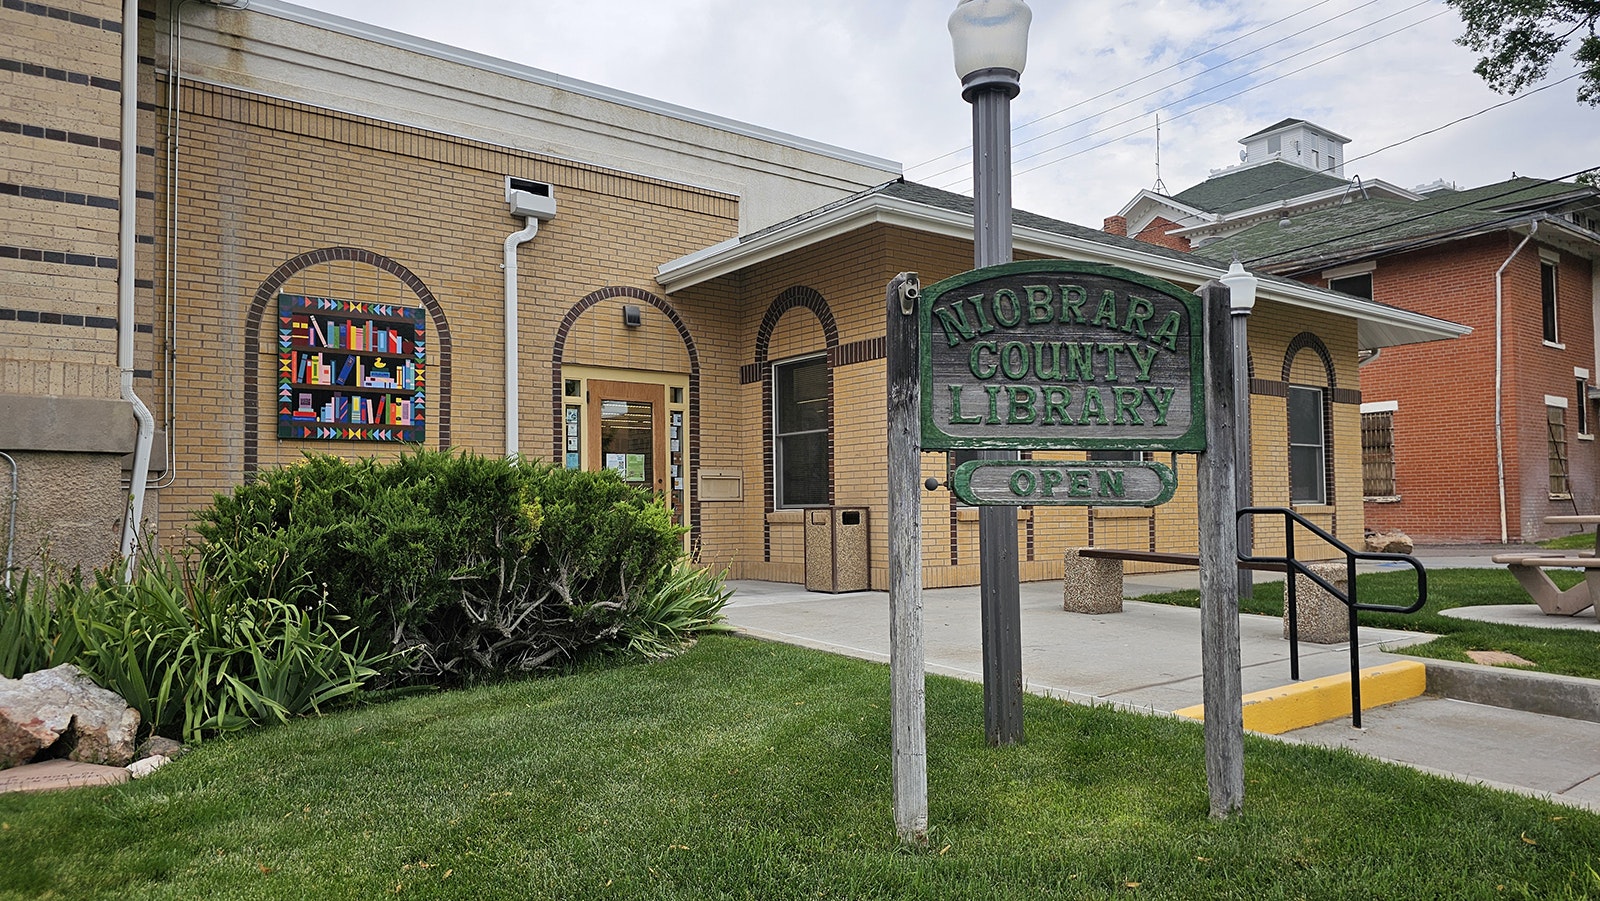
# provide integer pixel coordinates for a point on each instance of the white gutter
(733, 255)
(128, 207)
(1499, 369)
(513, 405)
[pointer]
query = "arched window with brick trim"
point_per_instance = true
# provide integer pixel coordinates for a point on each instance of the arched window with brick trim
(1308, 371)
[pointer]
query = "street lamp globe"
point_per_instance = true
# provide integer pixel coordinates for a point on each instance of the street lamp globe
(991, 43)
(1241, 288)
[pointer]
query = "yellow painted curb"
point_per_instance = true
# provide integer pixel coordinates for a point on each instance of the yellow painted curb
(1279, 710)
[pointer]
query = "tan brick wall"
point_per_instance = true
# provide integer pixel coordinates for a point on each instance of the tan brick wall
(850, 274)
(59, 231)
(54, 353)
(264, 181)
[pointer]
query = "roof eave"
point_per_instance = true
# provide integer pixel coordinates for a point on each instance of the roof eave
(1377, 325)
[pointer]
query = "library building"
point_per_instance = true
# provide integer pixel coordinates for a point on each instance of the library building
(241, 235)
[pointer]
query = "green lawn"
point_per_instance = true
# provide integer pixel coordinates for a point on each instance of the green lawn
(1569, 652)
(1582, 541)
(760, 771)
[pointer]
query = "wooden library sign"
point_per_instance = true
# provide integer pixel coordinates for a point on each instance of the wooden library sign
(1053, 354)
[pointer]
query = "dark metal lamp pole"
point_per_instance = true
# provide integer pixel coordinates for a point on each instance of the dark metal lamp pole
(990, 38)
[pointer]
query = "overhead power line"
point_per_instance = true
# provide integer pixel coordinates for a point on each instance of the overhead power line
(1187, 112)
(1194, 220)
(1189, 59)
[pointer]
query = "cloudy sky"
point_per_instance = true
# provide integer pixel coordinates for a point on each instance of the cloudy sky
(876, 76)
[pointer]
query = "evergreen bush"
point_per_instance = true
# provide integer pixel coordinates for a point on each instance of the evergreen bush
(468, 567)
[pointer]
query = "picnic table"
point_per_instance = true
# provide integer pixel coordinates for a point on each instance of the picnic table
(1529, 571)
(1577, 519)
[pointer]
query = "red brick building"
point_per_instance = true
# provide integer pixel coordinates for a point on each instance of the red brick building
(1477, 439)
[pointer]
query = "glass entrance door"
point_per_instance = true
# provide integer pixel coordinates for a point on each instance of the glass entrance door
(627, 431)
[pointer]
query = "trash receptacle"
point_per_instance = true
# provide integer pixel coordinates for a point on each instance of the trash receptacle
(836, 550)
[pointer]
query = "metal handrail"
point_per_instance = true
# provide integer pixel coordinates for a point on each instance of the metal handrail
(1293, 567)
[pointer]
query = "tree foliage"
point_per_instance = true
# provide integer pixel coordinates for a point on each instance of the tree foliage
(1520, 38)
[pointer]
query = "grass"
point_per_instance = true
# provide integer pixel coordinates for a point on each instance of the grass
(1583, 541)
(1569, 652)
(760, 771)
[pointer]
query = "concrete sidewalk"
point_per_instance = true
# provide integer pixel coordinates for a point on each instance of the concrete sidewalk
(1148, 658)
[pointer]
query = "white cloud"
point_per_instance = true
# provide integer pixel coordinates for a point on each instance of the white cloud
(875, 76)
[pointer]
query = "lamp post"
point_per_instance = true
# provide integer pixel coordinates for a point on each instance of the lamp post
(1241, 300)
(990, 38)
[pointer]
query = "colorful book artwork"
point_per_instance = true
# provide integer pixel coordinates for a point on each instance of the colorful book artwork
(351, 371)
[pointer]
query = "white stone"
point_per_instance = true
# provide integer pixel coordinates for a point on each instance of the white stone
(142, 768)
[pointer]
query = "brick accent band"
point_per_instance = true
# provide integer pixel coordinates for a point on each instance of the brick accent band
(7, 189)
(61, 257)
(44, 318)
(1346, 396)
(58, 134)
(93, 81)
(52, 12)
(860, 351)
(1269, 388)
(750, 373)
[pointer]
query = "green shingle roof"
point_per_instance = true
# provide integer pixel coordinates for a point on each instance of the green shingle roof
(1322, 236)
(1257, 186)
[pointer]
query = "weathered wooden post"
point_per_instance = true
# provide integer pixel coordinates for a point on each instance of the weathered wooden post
(907, 712)
(1219, 553)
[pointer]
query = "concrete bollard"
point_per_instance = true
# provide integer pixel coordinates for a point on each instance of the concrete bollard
(1321, 617)
(1091, 585)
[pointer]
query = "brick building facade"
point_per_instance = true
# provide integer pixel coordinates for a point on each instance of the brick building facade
(1475, 440)
(319, 269)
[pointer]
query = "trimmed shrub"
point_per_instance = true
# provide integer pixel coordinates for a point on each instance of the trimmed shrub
(472, 567)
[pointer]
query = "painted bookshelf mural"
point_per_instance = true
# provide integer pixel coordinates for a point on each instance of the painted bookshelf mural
(350, 371)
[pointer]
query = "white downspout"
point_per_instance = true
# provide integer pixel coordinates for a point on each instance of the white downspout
(513, 241)
(126, 259)
(1499, 371)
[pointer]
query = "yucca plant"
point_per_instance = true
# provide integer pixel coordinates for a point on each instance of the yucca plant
(688, 601)
(196, 655)
(32, 636)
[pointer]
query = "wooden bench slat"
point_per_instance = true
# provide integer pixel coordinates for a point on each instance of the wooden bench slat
(1101, 553)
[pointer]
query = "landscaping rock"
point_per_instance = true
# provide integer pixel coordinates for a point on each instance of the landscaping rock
(46, 707)
(1390, 543)
(142, 768)
(158, 746)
